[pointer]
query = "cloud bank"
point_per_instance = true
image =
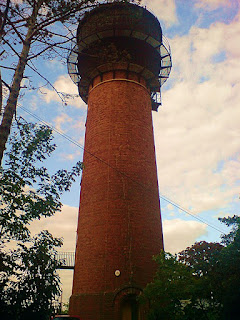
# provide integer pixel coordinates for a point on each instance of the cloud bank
(197, 130)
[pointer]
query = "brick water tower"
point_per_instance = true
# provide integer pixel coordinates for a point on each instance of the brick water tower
(119, 63)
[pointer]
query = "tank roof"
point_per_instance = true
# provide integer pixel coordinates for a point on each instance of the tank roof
(119, 35)
(119, 19)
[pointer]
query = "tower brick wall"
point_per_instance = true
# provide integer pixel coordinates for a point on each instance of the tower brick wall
(119, 63)
(119, 225)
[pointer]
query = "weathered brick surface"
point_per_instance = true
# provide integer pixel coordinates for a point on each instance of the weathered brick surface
(119, 226)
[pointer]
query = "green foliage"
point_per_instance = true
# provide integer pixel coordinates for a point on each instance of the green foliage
(202, 283)
(27, 190)
(234, 234)
(29, 282)
(172, 285)
(201, 257)
(229, 270)
(65, 308)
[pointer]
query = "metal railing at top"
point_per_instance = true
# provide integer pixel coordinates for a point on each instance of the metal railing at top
(166, 44)
(66, 259)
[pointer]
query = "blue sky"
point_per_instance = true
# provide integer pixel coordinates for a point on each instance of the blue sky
(196, 130)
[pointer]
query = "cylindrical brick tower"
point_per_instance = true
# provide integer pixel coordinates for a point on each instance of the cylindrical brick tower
(120, 64)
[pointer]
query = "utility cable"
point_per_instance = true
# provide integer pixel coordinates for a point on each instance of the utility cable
(189, 213)
(114, 168)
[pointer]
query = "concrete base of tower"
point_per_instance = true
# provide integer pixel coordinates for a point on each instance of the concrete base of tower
(122, 305)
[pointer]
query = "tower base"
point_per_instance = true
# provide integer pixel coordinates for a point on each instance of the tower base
(122, 305)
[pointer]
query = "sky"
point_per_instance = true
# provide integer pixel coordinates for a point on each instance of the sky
(196, 129)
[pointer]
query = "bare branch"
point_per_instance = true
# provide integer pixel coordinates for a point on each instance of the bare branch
(10, 46)
(47, 81)
(61, 16)
(9, 68)
(49, 46)
(1, 94)
(16, 30)
(5, 84)
(3, 23)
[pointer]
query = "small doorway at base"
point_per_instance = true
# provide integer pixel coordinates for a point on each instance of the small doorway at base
(129, 308)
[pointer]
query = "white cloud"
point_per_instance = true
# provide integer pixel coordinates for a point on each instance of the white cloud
(61, 120)
(179, 234)
(68, 156)
(212, 4)
(78, 154)
(65, 86)
(62, 224)
(33, 103)
(222, 215)
(80, 124)
(198, 125)
(172, 214)
(81, 140)
(54, 65)
(64, 121)
(66, 277)
(165, 10)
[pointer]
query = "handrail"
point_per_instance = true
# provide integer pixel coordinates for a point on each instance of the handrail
(66, 259)
(166, 44)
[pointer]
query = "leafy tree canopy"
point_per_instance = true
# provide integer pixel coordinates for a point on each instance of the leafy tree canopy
(27, 190)
(171, 285)
(202, 282)
(234, 234)
(29, 282)
(201, 256)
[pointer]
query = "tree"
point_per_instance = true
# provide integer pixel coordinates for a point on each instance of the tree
(172, 290)
(233, 236)
(229, 269)
(30, 283)
(201, 282)
(204, 259)
(217, 266)
(28, 33)
(201, 257)
(29, 30)
(27, 190)
(28, 279)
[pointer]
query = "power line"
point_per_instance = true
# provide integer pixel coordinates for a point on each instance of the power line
(189, 213)
(77, 144)
(114, 168)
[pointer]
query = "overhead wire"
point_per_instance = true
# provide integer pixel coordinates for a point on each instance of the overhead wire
(189, 213)
(122, 173)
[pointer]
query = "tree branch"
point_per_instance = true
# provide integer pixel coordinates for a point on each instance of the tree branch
(61, 16)
(49, 46)
(6, 85)
(4, 18)
(10, 46)
(48, 82)
(16, 30)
